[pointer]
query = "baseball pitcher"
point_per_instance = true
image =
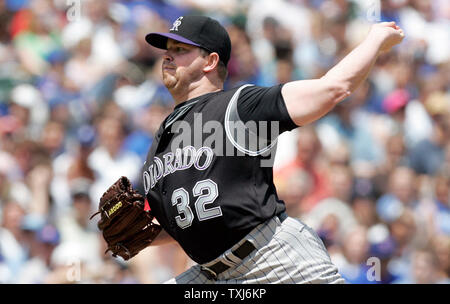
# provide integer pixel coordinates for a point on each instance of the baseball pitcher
(208, 176)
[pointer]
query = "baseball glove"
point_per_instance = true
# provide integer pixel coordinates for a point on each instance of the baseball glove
(127, 228)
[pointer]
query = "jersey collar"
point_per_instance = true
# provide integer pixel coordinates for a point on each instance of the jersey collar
(179, 110)
(185, 106)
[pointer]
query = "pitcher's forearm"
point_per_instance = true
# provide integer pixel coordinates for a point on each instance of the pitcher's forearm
(309, 100)
(354, 68)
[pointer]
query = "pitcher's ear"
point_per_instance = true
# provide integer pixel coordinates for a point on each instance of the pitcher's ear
(212, 62)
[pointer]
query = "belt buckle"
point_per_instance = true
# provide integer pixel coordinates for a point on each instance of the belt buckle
(211, 275)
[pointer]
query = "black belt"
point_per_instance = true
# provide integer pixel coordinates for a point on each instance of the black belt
(211, 272)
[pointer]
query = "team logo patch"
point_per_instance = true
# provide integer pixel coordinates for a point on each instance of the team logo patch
(176, 24)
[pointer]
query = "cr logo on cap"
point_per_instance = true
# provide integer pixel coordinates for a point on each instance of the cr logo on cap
(176, 24)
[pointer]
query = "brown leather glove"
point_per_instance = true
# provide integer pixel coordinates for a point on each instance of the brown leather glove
(126, 227)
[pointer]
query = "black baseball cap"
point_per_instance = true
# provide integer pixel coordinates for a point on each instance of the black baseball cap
(200, 31)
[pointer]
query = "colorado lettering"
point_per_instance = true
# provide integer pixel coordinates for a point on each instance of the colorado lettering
(171, 162)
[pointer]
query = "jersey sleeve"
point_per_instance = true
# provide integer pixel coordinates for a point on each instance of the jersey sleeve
(265, 104)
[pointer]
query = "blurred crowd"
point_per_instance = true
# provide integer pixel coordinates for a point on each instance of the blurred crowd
(81, 97)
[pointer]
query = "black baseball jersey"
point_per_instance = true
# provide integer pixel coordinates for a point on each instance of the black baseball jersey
(208, 175)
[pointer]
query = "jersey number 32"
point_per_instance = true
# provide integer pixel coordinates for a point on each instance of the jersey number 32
(206, 192)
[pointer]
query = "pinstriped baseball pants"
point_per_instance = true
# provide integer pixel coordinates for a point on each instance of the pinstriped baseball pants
(287, 252)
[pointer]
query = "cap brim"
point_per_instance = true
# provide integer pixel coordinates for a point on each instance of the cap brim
(159, 40)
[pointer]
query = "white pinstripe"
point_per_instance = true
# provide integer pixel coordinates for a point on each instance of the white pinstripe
(288, 252)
